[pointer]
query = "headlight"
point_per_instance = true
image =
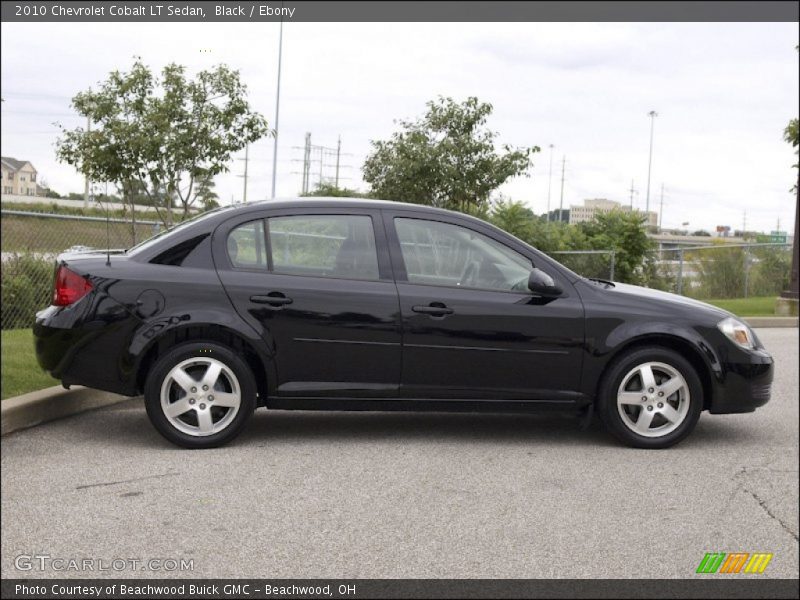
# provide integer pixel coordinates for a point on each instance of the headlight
(737, 332)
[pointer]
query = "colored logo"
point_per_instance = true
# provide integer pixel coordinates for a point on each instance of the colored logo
(734, 562)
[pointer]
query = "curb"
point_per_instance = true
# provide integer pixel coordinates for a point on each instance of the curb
(771, 321)
(49, 404)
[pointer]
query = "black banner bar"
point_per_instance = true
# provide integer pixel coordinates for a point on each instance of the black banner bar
(713, 587)
(395, 11)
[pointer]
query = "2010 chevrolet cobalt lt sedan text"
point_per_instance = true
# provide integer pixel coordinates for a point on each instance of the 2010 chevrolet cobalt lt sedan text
(371, 305)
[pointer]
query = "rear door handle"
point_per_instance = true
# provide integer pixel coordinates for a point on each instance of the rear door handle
(273, 299)
(435, 309)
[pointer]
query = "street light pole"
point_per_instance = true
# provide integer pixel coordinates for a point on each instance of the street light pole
(550, 182)
(277, 110)
(653, 114)
(561, 205)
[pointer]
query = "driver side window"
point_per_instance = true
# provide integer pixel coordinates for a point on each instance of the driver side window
(438, 253)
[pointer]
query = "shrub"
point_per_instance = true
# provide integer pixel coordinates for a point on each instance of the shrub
(26, 287)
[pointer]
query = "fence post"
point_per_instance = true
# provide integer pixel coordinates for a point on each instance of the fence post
(613, 264)
(746, 269)
(680, 271)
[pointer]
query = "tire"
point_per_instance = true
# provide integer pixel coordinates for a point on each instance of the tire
(189, 415)
(668, 414)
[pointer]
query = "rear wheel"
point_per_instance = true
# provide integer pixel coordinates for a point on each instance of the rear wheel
(200, 395)
(651, 398)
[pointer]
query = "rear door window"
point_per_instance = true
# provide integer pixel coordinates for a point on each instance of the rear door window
(341, 246)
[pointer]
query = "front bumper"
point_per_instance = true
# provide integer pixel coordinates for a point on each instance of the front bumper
(744, 382)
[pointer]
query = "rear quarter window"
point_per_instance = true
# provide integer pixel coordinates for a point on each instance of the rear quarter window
(246, 246)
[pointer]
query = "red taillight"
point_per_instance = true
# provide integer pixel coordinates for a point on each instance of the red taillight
(70, 287)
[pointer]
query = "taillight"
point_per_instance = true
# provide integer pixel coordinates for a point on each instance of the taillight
(70, 287)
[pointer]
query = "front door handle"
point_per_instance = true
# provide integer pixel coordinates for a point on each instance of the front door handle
(273, 299)
(435, 309)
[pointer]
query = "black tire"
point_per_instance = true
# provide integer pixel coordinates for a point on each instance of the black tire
(200, 350)
(612, 380)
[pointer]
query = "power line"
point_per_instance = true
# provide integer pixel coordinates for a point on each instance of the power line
(314, 160)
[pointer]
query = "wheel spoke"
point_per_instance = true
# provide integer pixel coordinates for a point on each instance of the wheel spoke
(204, 421)
(178, 408)
(648, 379)
(630, 398)
(183, 379)
(671, 386)
(212, 374)
(670, 414)
(226, 399)
(644, 420)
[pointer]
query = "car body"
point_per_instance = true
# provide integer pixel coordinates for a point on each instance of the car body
(372, 305)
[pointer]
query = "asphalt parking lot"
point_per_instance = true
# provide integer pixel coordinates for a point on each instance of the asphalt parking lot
(310, 494)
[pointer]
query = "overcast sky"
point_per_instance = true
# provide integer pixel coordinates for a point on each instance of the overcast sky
(723, 93)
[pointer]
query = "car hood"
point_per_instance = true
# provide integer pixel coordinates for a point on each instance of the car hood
(667, 298)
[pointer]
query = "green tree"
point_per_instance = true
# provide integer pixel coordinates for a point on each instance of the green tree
(163, 134)
(625, 233)
(206, 193)
(446, 158)
(515, 218)
(330, 190)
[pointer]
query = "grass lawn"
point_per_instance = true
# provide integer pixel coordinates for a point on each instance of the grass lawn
(748, 307)
(20, 371)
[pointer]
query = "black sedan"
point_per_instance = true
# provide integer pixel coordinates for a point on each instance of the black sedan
(369, 305)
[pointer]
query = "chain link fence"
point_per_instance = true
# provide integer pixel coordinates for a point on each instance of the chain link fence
(729, 271)
(716, 272)
(30, 243)
(597, 264)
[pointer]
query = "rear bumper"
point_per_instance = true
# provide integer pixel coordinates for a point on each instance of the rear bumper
(79, 351)
(745, 383)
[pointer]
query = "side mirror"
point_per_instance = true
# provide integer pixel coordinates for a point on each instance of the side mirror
(541, 283)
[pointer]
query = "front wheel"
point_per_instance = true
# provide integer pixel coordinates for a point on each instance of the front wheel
(651, 398)
(200, 395)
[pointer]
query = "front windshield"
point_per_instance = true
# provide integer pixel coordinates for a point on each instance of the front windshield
(141, 246)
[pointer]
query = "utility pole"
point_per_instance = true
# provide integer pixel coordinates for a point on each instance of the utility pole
(660, 209)
(277, 109)
(338, 154)
(327, 160)
(561, 204)
(246, 160)
(632, 191)
(744, 223)
(306, 162)
(86, 182)
(653, 114)
(549, 182)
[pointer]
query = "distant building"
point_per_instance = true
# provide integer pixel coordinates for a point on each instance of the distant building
(19, 177)
(559, 215)
(594, 206)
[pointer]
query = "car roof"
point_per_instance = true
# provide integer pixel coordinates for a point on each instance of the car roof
(333, 202)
